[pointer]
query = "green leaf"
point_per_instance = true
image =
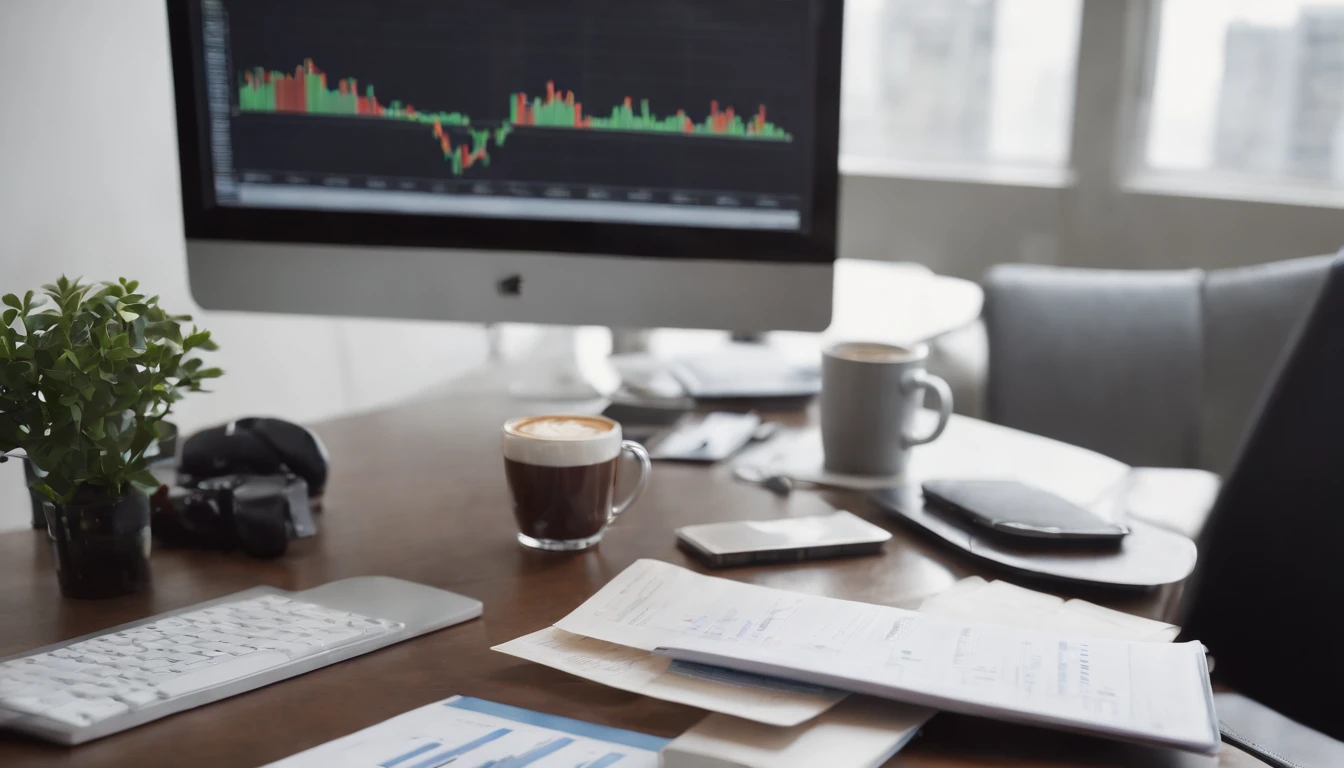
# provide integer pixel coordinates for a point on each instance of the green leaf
(122, 351)
(12, 301)
(40, 321)
(138, 332)
(8, 318)
(196, 339)
(145, 479)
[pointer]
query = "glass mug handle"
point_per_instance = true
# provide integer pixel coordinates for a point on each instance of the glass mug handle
(645, 467)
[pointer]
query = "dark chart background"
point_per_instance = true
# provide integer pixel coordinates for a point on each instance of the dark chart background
(452, 55)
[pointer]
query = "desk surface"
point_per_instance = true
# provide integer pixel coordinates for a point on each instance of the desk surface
(418, 492)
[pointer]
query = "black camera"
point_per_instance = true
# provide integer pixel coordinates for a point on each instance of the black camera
(257, 514)
(251, 484)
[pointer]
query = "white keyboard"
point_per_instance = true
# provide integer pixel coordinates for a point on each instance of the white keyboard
(152, 664)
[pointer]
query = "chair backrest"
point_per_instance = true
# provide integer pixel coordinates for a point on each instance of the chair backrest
(1154, 368)
(1107, 360)
(1265, 597)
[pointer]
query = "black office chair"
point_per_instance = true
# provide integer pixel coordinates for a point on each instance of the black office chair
(1267, 598)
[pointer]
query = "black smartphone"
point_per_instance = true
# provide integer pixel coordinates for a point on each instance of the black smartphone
(1022, 511)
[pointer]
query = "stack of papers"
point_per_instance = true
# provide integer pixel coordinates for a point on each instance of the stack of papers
(773, 702)
(983, 648)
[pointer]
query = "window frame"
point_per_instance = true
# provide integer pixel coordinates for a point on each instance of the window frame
(1105, 207)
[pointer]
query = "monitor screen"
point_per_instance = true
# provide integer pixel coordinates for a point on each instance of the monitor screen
(671, 113)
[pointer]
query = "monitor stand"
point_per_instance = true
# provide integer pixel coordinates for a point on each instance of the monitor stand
(565, 364)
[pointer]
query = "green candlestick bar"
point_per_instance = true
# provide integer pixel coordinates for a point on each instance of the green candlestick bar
(306, 92)
(558, 110)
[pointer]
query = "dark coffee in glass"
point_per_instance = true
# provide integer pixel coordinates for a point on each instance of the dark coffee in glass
(562, 474)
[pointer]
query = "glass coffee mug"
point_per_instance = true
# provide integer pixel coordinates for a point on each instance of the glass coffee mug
(562, 473)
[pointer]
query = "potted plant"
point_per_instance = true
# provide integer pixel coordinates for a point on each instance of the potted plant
(86, 378)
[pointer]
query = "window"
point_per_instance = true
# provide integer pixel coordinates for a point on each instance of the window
(1252, 88)
(959, 81)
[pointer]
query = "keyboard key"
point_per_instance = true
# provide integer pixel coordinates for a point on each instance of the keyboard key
(223, 672)
(281, 645)
(340, 636)
(138, 698)
(225, 648)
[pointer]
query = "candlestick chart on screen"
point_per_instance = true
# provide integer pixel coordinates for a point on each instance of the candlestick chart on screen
(466, 142)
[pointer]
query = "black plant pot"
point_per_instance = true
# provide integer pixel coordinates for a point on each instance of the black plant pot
(101, 545)
(33, 477)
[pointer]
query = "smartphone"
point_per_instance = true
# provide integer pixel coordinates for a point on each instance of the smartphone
(747, 542)
(1021, 511)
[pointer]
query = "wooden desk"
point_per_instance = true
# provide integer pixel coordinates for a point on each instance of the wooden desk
(418, 493)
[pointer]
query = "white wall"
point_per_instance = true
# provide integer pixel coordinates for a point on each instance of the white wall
(89, 187)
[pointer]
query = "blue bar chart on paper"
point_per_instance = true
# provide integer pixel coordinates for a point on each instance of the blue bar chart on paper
(463, 732)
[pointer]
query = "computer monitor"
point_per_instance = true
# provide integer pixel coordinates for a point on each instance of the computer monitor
(635, 163)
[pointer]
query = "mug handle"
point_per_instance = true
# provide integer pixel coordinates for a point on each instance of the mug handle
(645, 467)
(913, 382)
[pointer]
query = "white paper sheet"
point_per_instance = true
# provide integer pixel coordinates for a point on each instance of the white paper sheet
(1152, 692)
(861, 732)
(638, 671)
(463, 732)
(999, 602)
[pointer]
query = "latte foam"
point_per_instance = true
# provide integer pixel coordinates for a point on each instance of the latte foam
(561, 440)
(562, 428)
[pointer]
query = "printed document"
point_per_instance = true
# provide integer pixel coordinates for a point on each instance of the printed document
(764, 700)
(1155, 693)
